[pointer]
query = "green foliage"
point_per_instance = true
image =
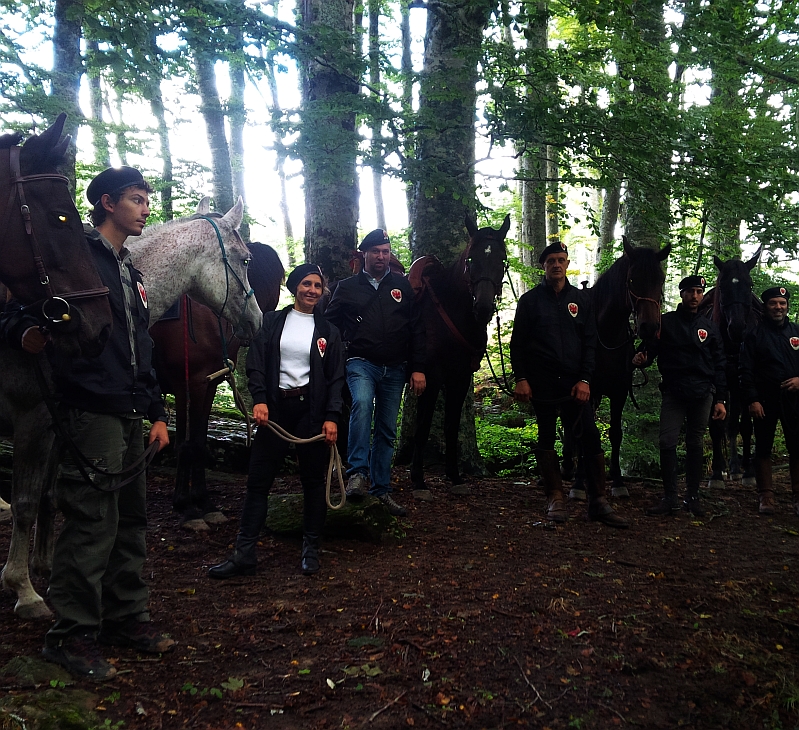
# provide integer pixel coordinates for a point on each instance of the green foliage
(507, 449)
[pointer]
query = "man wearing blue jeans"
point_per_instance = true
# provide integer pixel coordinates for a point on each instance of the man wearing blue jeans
(692, 364)
(384, 335)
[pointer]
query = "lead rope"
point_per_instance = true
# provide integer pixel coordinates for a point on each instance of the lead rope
(334, 463)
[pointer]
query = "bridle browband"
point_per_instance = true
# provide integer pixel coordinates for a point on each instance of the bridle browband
(60, 299)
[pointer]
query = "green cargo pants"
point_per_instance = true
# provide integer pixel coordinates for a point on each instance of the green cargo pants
(100, 552)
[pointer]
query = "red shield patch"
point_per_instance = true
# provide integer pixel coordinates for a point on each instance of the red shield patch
(702, 335)
(795, 343)
(397, 294)
(321, 343)
(142, 293)
(573, 309)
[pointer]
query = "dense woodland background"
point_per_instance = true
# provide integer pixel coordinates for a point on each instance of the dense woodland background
(671, 122)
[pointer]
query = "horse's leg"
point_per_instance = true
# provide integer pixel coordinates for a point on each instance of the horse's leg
(567, 466)
(44, 537)
(29, 472)
(718, 435)
(182, 498)
(198, 434)
(578, 486)
(5, 511)
(732, 444)
(455, 390)
(747, 463)
(425, 406)
(617, 402)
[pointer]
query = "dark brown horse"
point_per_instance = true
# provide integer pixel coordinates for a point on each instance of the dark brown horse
(198, 341)
(46, 263)
(735, 310)
(631, 287)
(456, 304)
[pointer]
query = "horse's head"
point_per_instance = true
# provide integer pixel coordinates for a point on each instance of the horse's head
(645, 278)
(44, 258)
(226, 289)
(485, 259)
(734, 293)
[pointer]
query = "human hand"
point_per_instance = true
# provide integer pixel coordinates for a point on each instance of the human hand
(791, 385)
(330, 430)
(581, 392)
(34, 340)
(260, 414)
(756, 410)
(719, 412)
(418, 383)
(158, 432)
(639, 359)
(522, 392)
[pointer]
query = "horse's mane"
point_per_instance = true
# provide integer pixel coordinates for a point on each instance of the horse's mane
(610, 289)
(167, 225)
(265, 273)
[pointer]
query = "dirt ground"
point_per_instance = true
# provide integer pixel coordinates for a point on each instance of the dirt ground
(475, 614)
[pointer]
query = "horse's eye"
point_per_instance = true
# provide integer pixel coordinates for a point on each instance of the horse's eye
(246, 262)
(60, 218)
(63, 218)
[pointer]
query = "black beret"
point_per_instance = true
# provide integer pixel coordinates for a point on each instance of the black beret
(690, 282)
(299, 273)
(113, 180)
(775, 291)
(376, 238)
(556, 247)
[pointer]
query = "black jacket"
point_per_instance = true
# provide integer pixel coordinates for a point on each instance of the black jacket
(381, 325)
(108, 383)
(327, 368)
(769, 355)
(554, 336)
(690, 354)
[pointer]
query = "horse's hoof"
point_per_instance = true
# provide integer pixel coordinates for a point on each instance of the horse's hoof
(33, 611)
(715, 483)
(578, 494)
(423, 495)
(621, 491)
(214, 518)
(460, 490)
(196, 525)
(749, 482)
(5, 515)
(736, 476)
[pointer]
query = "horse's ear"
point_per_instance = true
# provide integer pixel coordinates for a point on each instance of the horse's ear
(204, 206)
(471, 225)
(235, 215)
(628, 247)
(664, 252)
(505, 226)
(753, 261)
(42, 151)
(717, 262)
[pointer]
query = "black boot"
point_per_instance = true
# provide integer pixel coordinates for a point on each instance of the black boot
(310, 553)
(694, 460)
(244, 560)
(553, 485)
(598, 508)
(669, 503)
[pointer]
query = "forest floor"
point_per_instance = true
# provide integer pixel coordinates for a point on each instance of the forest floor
(476, 613)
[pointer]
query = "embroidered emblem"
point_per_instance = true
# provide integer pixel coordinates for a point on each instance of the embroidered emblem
(487, 251)
(573, 309)
(782, 291)
(703, 282)
(702, 335)
(562, 245)
(397, 294)
(142, 293)
(321, 343)
(795, 343)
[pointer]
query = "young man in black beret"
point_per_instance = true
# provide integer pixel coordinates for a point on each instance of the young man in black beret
(692, 364)
(769, 371)
(553, 353)
(96, 584)
(379, 321)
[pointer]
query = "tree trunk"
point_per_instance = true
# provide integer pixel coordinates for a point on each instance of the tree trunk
(67, 72)
(608, 219)
(376, 124)
(407, 92)
(102, 154)
(328, 143)
(153, 92)
(237, 115)
(121, 134)
(553, 193)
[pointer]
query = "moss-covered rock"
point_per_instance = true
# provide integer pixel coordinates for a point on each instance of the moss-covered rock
(50, 709)
(367, 520)
(29, 671)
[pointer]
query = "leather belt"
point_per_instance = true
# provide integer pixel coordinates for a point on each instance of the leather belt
(294, 392)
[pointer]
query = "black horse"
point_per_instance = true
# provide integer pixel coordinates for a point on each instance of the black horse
(631, 287)
(456, 304)
(736, 311)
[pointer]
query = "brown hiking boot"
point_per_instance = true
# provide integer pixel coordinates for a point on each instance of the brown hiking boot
(598, 508)
(553, 485)
(81, 657)
(765, 486)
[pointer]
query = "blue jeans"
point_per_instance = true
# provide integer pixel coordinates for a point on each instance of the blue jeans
(376, 391)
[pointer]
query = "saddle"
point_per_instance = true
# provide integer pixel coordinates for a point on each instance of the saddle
(423, 268)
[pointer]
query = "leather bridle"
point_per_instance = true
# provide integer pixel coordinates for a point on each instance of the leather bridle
(54, 308)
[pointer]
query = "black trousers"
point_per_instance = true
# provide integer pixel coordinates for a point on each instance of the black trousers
(777, 405)
(269, 452)
(576, 418)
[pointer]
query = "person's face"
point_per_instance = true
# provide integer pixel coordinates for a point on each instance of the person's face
(555, 266)
(777, 309)
(377, 259)
(691, 297)
(309, 291)
(129, 214)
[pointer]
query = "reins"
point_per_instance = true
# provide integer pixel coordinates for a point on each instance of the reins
(334, 463)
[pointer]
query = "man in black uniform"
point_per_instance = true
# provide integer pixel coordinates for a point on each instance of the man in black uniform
(96, 585)
(769, 371)
(552, 351)
(692, 365)
(379, 321)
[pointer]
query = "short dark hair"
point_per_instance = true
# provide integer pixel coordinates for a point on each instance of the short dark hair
(98, 213)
